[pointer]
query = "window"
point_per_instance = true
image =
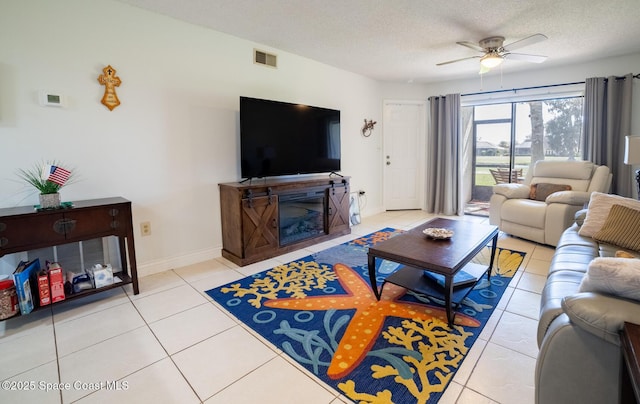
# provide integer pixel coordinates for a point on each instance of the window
(505, 138)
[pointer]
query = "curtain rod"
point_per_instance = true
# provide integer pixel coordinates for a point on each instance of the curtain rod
(637, 76)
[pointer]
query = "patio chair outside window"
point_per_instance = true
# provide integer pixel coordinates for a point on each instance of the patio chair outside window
(501, 175)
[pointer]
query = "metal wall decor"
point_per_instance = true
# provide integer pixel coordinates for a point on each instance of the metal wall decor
(368, 127)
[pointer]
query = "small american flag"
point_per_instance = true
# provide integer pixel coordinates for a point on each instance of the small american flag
(58, 175)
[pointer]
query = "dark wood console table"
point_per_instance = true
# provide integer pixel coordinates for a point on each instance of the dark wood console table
(630, 378)
(252, 215)
(24, 228)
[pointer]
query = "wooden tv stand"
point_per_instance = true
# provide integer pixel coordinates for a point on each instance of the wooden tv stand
(251, 215)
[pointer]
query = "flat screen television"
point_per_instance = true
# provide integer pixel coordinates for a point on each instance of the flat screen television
(280, 138)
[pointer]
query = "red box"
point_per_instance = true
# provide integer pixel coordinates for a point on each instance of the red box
(56, 282)
(43, 288)
(9, 299)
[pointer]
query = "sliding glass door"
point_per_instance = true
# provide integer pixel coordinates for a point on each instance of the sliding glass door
(506, 138)
(492, 143)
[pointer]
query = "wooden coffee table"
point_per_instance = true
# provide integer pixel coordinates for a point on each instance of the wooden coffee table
(446, 257)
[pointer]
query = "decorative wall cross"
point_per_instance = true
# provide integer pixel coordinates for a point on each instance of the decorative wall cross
(110, 81)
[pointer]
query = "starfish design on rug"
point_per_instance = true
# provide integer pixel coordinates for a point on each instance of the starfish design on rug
(367, 322)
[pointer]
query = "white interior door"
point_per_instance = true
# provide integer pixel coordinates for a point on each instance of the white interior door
(404, 133)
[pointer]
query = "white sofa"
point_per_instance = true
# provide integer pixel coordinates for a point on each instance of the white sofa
(543, 221)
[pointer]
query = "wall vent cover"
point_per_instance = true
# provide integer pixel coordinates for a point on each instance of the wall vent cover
(264, 58)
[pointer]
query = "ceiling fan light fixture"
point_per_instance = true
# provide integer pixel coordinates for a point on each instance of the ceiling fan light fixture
(491, 60)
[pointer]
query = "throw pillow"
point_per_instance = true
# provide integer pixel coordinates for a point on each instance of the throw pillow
(624, 254)
(541, 190)
(621, 228)
(613, 276)
(598, 210)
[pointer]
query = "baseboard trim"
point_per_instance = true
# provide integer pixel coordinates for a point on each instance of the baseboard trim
(161, 265)
(165, 264)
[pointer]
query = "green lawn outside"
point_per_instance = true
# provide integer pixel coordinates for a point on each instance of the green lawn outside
(484, 179)
(484, 163)
(504, 160)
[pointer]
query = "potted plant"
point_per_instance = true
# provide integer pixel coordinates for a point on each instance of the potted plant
(47, 177)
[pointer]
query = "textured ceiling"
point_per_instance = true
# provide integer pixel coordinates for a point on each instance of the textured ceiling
(402, 40)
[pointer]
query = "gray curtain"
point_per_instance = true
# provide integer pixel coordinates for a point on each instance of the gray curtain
(444, 156)
(607, 120)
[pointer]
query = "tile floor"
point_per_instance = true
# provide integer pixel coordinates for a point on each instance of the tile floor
(173, 344)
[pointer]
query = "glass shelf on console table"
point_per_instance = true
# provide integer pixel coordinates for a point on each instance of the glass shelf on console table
(24, 228)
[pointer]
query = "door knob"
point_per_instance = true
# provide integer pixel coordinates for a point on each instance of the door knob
(388, 163)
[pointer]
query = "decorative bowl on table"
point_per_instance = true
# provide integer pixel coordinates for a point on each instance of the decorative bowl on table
(437, 233)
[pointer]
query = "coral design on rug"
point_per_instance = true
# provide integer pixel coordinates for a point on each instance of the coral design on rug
(322, 312)
(364, 327)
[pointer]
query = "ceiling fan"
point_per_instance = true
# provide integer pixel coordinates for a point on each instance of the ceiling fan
(494, 52)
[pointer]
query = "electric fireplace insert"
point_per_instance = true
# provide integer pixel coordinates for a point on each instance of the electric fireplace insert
(301, 216)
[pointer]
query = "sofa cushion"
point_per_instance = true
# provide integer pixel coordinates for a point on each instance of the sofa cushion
(577, 174)
(608, 250)
(621, 228)
(580, 216)
(576, 260)
(601, 315)
(572, 238)
(512, 191)
(541, 190)
(524, 212)
(576, 198)
(613, 276)
(577, 170)
(625, 254)
(598, 210)
(559, 284)
(601, 180)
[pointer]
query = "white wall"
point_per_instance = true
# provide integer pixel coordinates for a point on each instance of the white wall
(175, 136)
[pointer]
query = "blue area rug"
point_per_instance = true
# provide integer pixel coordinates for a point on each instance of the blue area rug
(322, 312)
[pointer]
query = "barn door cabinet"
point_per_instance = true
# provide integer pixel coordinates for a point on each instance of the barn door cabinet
(265, 218)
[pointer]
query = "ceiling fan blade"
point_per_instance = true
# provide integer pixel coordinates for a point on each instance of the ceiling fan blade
(457, 60)
(526, 58)
(530, 40)
(471, 45)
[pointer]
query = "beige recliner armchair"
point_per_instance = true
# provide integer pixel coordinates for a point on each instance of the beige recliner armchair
(542, 207)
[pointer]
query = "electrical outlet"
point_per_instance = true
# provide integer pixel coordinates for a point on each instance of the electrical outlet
(145, 228)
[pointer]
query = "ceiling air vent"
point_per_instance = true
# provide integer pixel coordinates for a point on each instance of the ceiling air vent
(264, 58)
